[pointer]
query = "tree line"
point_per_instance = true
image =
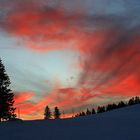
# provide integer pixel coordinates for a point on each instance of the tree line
(100, 109)
(109, 107)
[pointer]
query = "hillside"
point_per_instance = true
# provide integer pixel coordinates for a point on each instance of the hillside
(121, 124)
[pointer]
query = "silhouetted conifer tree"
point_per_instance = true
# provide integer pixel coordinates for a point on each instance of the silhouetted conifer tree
(137, 100)
(131, 101)
(121, 104)
(111, 107)
(88, 112)
(47, 114)
(83, 113)
(114, 106)
(80, 114)
(76, 115)
(6, 96)
(93, 111)
(108, 107)
(57, 113)
(100, 109)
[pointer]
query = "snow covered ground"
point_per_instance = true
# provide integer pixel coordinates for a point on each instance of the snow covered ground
(121, 124)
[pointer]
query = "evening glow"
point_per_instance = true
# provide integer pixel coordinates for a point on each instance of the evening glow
(68, 55)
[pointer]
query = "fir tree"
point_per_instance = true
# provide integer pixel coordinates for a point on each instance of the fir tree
(88, 112)
(6, 96)
(101, 109)
(121, 104)
(93, 111)
(83, 114)
(137, 100)
(57, 113)
(111, 107)
(47, 114)
(131, 101)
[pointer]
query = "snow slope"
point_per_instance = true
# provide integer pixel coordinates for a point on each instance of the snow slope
(121, 124)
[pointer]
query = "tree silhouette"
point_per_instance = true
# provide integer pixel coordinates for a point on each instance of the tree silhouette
(93, 111)
(137, 100)
(47, 114)
(131, 101)
(121, 104)
(82, 113)
(111, 107)
(57, 113)
(6, 96)
(100, 109)
(88, 112)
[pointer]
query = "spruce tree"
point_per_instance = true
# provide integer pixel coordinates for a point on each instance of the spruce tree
(6, 96)
(88, 112)
(101, 109)
(137, 100)
(47, 114)
(121, 104)
(57, 113)
(93, 111)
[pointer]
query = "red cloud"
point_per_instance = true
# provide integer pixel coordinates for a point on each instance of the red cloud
(65, 98)
(127, 87)
(42, 30)
(21, 97)
(110, 55)
(112, 67)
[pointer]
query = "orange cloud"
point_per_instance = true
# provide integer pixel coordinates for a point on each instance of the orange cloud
(64, 98)
(42, 30)
(21, 97)
(109, 49)
(112, 67)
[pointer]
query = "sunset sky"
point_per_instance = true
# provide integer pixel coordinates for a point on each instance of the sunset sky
(72, 54)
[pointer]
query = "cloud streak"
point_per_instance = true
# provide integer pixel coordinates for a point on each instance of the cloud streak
(108, 46)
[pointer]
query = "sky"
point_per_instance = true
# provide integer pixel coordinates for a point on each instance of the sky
(71, 54)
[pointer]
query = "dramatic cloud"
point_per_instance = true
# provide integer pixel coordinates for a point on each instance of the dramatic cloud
(108, 45)
(64, 98)
(22, 97)
(41, 28)
(114, 64)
